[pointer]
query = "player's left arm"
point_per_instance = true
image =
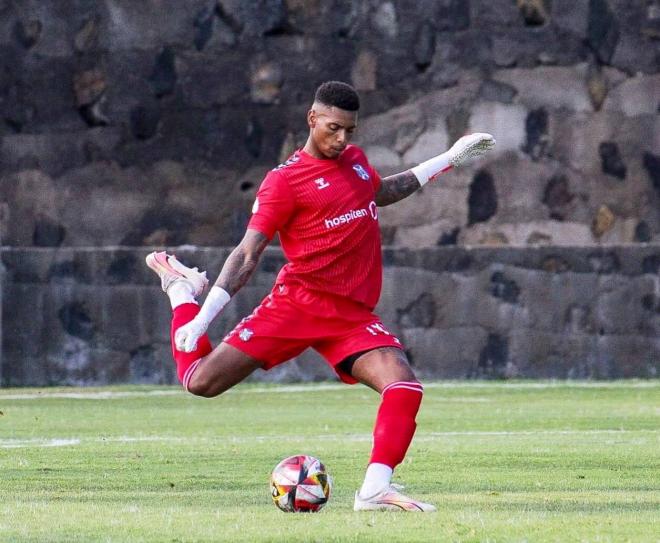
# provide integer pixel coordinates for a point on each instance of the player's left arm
(401, 185)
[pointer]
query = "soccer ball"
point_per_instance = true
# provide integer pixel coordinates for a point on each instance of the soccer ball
(300, 484)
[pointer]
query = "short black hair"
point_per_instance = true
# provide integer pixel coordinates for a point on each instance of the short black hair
(338, 94)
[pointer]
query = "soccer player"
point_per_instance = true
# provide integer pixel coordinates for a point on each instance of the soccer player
(324, 203)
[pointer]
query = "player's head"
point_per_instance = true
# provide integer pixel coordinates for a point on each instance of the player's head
(333, 118)
(337, 94)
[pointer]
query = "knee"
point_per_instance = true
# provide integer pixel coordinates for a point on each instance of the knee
(203, 387)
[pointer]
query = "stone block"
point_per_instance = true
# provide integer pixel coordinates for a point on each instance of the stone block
(254, 19)
(55, 154)
(364, 71)
(436, 202)
(56, 25)
(545, 232)
(426, 235)
(460, 306)
(152, 365)
(485, 14)
(603, 31)
(560, 302)
(617, 309)
(383, 159)
(638, 95)
(577, 139)
(430, 143)
(553, 87)
(635, 53)
(125, 25)
(397, 129)
(626, 356)
(482, 198)
(494, 91)
(505, 122)
(571, 15)
(395, 300)
(446, 354)
(545, 355)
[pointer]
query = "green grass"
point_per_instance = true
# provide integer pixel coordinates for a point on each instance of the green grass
(502, 461)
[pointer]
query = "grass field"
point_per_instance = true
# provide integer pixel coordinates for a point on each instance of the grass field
(502, 461)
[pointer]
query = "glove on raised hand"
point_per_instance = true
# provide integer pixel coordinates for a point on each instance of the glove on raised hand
(465, 148)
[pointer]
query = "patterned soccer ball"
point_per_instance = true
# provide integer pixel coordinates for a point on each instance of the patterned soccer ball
(300, 484)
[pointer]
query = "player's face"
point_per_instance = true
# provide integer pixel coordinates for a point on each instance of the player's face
(331, 129)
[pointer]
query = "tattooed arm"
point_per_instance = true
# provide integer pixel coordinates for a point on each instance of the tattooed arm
(396, 187)
(242, 261)
(399, 186)
(236, 271)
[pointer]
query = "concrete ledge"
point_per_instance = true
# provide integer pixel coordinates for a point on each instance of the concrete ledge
(97, 316)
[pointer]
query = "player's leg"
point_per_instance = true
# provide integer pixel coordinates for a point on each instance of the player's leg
(386, 370)
(264, 339)
(220, 370)
(204, 371)
(367, 352)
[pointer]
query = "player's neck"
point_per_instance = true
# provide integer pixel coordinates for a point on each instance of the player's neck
(312, 150)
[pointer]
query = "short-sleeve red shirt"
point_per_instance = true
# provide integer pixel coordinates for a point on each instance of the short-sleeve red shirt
(326, 215)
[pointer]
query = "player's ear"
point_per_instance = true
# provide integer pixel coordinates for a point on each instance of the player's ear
(311, 118)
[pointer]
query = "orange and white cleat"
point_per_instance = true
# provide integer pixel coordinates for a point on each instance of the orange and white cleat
(169, 269)
(391, 499)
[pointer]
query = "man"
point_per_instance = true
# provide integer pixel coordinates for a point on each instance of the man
(323, 202)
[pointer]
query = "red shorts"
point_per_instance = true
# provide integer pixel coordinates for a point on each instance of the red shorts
(291, 319)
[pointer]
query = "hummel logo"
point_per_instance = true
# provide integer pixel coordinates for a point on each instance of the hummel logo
(321, 183)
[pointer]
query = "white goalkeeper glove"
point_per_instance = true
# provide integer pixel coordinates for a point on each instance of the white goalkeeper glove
(465, 148)
(186, 337)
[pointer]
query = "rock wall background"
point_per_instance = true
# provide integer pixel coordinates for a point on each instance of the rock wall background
(153, 122)
(126, 125)
(544, 312)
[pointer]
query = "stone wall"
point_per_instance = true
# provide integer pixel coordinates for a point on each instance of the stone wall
(97, 316)
(153, 122)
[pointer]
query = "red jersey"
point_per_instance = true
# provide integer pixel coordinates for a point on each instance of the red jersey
(326, 215)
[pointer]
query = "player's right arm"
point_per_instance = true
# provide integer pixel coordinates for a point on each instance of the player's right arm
(242, 262)
(272, 208)
(236, 271)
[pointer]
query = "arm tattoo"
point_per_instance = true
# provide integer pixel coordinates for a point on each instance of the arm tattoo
(396, 187)
(242, 262)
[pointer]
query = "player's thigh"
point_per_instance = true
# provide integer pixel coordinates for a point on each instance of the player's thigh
(382, 366)
(221, 369)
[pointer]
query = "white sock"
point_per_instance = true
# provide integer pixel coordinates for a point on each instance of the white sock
(180, 292)
(377, 478)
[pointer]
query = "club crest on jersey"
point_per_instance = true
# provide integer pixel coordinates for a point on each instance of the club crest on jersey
(246, 334)
(359, 169)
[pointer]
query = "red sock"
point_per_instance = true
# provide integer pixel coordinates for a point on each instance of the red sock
(395, 422)
(186, 362)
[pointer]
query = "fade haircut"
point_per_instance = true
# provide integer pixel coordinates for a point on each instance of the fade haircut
(338, 94)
